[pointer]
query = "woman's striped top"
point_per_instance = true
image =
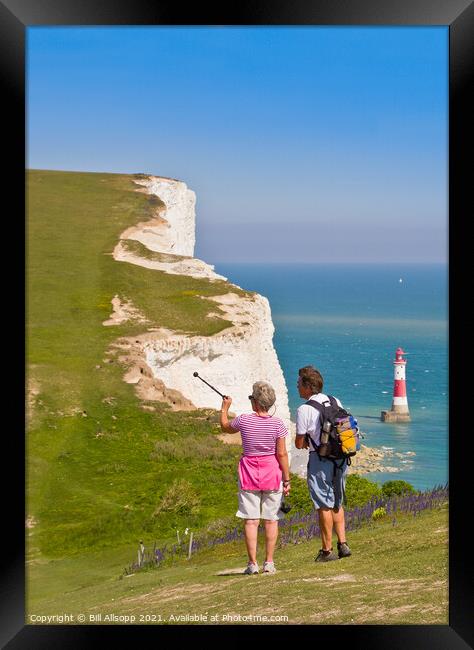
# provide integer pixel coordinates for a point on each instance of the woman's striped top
(259, 433)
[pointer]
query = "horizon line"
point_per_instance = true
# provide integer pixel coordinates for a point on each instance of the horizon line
(334, 262)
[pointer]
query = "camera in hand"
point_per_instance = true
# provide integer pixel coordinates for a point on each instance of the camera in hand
(285, 507)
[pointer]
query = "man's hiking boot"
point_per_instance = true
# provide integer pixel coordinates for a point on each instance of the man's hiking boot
(269, 567)
(325, 556)
(343, 549)
(251, 568)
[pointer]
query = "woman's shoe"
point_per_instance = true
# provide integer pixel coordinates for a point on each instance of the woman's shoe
(269, 567)
(252, 567)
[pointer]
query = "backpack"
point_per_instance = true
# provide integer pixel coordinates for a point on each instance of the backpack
(340, 436)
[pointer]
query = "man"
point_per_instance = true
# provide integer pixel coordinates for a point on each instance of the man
(326, 483)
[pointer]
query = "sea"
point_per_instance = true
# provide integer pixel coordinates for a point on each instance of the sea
(347, 320)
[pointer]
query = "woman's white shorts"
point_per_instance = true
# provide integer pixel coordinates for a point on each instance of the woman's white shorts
(260, 504)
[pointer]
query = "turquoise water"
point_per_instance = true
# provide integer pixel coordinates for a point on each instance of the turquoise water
(347, 320)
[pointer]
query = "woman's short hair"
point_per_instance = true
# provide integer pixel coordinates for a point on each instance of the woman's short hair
(263, 393)
(311, 378)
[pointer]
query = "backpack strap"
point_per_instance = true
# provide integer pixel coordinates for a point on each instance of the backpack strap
(319, 407)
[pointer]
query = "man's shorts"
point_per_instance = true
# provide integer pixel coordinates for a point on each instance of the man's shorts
(326, 486)
(260, 504)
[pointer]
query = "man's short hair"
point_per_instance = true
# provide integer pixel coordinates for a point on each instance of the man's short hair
(311, 378)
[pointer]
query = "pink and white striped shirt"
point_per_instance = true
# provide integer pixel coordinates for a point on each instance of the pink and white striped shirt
(259, 433)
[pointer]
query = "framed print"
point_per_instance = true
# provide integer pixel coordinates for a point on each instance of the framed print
(244, 264)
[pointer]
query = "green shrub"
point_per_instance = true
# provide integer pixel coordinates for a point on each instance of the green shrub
(399, 488)
(378, 513)
(299, 498)
(360, 491)
(180, 498)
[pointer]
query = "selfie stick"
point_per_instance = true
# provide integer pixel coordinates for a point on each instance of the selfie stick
(195, 374)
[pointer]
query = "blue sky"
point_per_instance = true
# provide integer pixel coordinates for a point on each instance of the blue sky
(308, 144)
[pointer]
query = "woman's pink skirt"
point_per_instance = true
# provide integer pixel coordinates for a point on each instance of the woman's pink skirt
(260, 473)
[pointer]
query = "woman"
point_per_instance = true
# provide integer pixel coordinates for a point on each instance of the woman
(264, 475)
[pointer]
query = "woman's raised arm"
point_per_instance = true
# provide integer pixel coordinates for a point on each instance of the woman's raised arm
(225, 426)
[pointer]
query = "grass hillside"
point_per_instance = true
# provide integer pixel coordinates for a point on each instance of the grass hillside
(101, 470)
(396, 575)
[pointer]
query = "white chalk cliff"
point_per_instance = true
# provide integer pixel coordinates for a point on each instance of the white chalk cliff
(176, 235)
(234, 358)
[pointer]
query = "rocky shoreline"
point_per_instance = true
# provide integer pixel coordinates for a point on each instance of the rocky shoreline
(370, 459)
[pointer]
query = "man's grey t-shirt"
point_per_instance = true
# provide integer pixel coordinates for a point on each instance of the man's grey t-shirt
(307, 418)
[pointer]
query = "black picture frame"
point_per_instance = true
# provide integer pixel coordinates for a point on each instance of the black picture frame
(15, 17)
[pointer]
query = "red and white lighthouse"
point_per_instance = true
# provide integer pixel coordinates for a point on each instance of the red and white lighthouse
(399, 411)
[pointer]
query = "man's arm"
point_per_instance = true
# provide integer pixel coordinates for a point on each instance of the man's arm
(225, 426)
(301, 439)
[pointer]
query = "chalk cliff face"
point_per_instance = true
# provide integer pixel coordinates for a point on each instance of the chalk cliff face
(175, 233)
(231, 360)
(171, 232)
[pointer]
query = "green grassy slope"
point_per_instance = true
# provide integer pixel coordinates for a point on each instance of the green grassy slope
(396, 575)
(94, 479)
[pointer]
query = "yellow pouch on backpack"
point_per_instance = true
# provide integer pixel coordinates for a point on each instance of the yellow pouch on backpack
(348, 441)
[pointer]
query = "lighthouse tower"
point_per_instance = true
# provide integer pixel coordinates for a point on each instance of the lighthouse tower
(399, 411)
